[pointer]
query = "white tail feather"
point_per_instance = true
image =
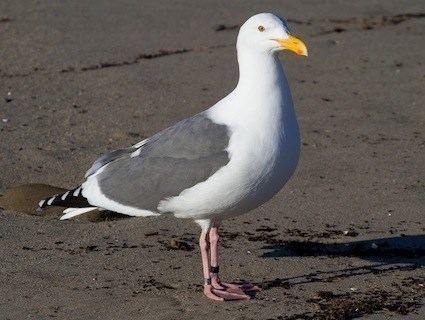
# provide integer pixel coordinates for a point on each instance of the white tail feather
(72, 212)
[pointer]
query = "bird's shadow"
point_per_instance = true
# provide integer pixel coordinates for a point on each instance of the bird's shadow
(390, 254)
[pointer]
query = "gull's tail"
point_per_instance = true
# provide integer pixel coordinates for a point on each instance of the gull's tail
(73, 200)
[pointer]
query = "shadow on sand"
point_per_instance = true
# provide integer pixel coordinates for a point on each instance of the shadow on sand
(390, 254)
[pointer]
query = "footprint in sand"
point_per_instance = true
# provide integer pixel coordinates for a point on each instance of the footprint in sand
(24, 199)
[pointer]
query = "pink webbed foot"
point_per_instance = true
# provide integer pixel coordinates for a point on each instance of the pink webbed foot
(240, 288)
(223, 295)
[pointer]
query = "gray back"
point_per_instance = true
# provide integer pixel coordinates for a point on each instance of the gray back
(171, 161)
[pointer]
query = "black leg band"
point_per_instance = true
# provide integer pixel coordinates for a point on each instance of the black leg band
(207, 281)
(215, 269)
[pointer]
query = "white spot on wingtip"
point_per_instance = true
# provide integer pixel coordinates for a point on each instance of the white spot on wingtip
(40, 204)
(49, 202)
(75, 194)
(65, 195)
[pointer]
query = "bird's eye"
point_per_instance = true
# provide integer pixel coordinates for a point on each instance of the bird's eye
(261, 28)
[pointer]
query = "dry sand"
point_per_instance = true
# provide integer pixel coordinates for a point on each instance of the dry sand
(344, 238)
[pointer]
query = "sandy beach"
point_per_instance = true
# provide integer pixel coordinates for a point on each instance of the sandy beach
(344, 239)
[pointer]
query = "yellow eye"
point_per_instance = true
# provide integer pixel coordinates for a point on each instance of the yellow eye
(261, 28)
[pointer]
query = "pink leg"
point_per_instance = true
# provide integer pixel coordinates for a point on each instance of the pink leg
(234, 288)
(203, 245)
(209, 290)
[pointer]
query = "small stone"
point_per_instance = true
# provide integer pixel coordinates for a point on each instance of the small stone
(5, 120)
(350, 233)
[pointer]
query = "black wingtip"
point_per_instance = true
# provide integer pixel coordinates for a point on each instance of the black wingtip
(71, 198)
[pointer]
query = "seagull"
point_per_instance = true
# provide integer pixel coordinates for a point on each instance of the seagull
(218, 164)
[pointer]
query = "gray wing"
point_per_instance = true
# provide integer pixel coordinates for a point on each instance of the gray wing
(109, 157)
(169, 162)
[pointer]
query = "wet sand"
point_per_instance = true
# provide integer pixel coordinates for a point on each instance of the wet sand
(345, 238)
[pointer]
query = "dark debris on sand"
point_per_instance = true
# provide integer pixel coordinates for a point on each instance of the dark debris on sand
(175, 244)
(403, 300)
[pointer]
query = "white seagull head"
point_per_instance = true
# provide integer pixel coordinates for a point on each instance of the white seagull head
(268, 33)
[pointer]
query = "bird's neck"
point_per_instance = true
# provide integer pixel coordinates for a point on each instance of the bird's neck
(260, 72)
(265, 91)
(261, 78)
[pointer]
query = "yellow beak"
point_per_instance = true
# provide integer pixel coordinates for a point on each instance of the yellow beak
(293, 44)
